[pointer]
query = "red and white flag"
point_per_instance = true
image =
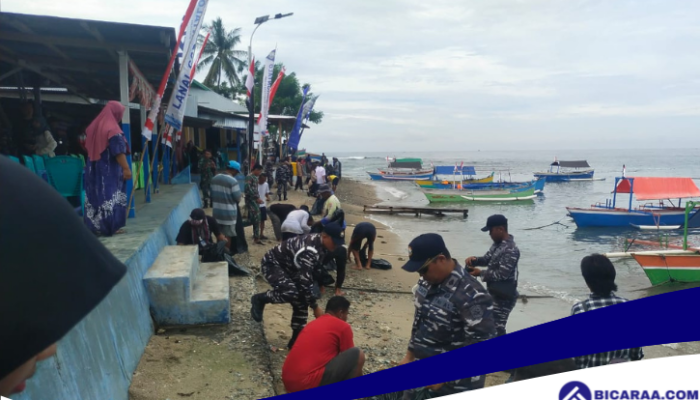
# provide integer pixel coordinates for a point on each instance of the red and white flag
(275, 85)
(250, 80)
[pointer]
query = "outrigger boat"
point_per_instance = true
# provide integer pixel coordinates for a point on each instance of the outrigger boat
(666, 267)
(404, 169)
(571, 171)
(538, 184)
(469, 196)
(643, 188)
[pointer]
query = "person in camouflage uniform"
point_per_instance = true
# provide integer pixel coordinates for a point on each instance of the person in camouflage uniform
(253, 200)
(207, 170)
(269, 170)
(453, 310)
(289, 268)
(501, 277)
(283, 175)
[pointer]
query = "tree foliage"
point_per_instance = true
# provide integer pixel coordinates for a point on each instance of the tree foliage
(222, 57)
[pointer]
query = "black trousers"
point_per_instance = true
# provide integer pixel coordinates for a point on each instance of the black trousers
(340, 256)
(299, 184)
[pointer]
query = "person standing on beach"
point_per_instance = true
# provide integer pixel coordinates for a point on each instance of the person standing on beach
(226, 193)
(320, 175)
(501, 277)
(207, 170)
(253, 201)
(289, 269)
(282, 175)
(264, 192)
(338, 168)
(269, 170)
(453, 310)
(363, 231)
(599, 274)
(300, 176)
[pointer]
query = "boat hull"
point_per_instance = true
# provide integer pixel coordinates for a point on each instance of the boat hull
(565, 176)
(375, 176)
(602, 217)
(476, 196)
(663, 268)
(428, 183)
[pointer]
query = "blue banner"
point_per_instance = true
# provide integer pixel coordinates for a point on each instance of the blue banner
(293, 142)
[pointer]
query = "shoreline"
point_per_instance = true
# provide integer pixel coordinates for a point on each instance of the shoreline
(244, 359)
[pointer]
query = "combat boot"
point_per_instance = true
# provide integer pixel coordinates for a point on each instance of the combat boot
(258, 306)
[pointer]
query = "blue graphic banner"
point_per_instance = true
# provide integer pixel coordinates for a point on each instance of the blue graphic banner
(654, 320)
(294, 137)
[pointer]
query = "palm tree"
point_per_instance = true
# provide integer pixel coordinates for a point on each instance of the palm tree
(222, 55)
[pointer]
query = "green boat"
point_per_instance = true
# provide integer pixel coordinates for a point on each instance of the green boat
(475, 196)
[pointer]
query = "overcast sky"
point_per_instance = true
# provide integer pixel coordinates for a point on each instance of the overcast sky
(487, 74)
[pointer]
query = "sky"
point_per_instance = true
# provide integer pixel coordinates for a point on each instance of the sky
(435, 75)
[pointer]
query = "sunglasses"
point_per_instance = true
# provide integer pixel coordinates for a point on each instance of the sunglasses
(424, 268)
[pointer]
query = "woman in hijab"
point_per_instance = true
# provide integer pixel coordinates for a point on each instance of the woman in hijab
(46, 286)
(106, 172)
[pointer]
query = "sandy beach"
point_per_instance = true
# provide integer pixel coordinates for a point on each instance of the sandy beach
(243, 360)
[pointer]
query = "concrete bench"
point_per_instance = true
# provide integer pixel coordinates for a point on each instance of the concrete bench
(184, 292)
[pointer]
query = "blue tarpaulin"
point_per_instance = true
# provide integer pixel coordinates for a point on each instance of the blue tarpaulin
(451, 170)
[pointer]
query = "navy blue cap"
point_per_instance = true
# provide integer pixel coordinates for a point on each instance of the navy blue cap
(494, 221)
(423, 248)
(336, 232)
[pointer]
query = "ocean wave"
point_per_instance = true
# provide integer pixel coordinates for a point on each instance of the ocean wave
(352, 158)
(545, 291)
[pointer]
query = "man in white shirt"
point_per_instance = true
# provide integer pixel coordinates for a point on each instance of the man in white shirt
(320, 175)
(264, 191)
(297, 223)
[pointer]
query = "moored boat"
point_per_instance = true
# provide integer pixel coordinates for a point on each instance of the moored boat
(570, 171)
(643, 188)
(469, 196)
(538, 185)
(378, 176)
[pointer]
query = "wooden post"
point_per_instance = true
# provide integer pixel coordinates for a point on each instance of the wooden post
(126, 122)
(279, 138)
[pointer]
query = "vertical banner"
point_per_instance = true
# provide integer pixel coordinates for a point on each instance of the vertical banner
(178, 99)
(265, 99)
(293, 142)
(147, 130)
(308, 107)
(276, 85)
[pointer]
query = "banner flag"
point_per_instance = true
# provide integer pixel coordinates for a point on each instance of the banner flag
(178, 99)
(265, 99)
(294, 136)
(275, 85)
(147, 130)
(250, 80)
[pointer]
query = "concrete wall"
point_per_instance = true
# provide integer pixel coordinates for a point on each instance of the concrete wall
(96, 360)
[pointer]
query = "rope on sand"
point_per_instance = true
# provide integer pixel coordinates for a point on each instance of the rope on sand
(522, 297)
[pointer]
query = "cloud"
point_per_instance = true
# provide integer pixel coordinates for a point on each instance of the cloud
(393, 73)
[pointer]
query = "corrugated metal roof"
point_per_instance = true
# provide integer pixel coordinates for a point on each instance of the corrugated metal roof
(226, 122)
(215, 101)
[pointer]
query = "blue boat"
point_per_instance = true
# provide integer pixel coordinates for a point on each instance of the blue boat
(643, 188)
(571, 171)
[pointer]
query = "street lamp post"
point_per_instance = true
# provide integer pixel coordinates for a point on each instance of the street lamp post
(251, 112)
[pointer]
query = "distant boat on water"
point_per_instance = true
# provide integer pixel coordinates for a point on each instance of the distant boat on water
(402, 169)
(565, 171)
(523, 193)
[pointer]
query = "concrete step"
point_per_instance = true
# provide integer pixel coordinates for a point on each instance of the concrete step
(183, 292)
(210, 300)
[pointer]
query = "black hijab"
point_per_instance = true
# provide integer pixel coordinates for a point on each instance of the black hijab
(53, 270)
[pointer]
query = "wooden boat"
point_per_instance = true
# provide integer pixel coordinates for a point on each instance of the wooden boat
(471, 196)
(466, 181)
(571, 171)
(378, 176)
(669, 266)
(643, 188)
(538, 184)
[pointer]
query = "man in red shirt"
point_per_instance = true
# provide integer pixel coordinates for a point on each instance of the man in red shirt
(324, 352)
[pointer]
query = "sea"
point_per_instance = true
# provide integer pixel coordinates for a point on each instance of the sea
(551, 255)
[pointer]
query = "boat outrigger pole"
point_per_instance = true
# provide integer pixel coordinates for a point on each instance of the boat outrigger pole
(689, 205)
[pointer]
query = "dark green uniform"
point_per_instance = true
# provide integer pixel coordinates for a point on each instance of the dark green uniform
(207, 170)
(251, 195)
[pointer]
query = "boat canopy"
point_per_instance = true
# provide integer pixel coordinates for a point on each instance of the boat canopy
(406, 164)
(654, 188)
(452, 170)
(572, 164)
(408, 160)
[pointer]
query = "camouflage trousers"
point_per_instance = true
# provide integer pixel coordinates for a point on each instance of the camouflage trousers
(253, 211)
(284, 290)
(501, 311)
(281, 189)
